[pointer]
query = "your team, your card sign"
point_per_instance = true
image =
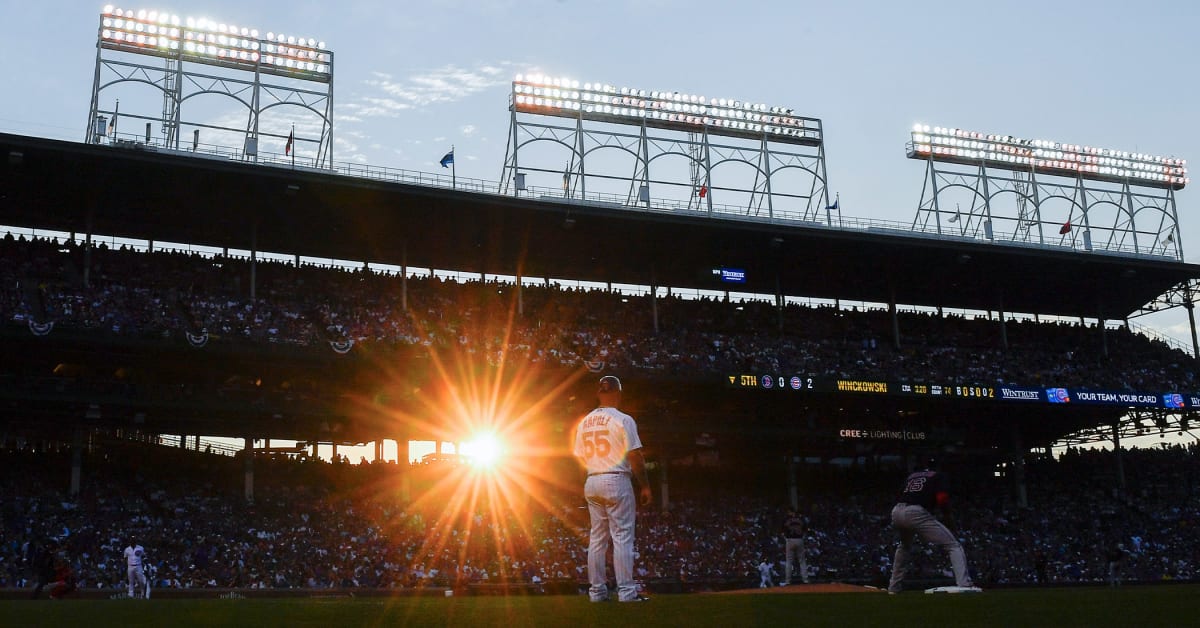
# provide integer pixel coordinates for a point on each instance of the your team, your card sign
(1019, 394)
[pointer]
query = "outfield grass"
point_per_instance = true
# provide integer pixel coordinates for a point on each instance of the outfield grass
(1160, 605)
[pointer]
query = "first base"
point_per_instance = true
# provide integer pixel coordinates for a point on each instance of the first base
(954, 590)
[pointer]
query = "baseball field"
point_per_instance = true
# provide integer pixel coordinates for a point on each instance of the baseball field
(1158, 605)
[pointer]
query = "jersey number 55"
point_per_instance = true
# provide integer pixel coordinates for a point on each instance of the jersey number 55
(595, 443)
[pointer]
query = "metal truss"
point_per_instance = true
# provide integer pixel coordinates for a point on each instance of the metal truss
(1008, 205)
(1138, 422)
(1181, 295)
(769, 198)
(180, 81)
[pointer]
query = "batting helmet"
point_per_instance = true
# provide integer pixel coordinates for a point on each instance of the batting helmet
(609, 384)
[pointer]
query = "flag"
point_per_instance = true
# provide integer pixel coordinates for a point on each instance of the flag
(1066, 228)
(448, 159)
(1170, 238)
(835, 204)
(594, 367)
(287, 148)
(112, 124)
(703, 191)
(954, 219)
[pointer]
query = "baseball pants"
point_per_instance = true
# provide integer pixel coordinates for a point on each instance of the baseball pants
(137, 582)
(794, 553)
(613, 510)
(913, 521)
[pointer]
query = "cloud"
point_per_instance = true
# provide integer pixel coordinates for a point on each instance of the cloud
(437, 86)
(370, 107)
(1176, 331)
(346, 145)
(468, 129)
(274, 128)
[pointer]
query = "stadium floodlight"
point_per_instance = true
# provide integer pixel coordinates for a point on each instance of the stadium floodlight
(201, 40)
(564, 97)
(1056, 158)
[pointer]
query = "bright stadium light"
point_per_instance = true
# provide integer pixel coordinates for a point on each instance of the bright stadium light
(1056, 158)
(564, 97)
(202, 40)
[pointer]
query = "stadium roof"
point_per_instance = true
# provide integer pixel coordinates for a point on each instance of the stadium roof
(140, 192)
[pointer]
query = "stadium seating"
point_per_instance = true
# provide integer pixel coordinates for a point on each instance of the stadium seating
(326, 525)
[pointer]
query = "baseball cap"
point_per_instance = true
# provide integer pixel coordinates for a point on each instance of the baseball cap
(609, 384)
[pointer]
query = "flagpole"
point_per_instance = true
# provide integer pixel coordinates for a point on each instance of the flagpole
(112, 125)
(837, 204)
(292, 137)
(453, 169)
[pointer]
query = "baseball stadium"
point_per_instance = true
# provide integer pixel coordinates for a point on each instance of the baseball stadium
(317, 392)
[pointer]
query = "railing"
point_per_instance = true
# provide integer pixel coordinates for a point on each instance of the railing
(211, 445)
(218, 446)
(819, 219)
(1170, 341)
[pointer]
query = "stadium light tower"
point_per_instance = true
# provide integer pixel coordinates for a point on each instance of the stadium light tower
(1128, 199)
(709, 132)
(199, 56)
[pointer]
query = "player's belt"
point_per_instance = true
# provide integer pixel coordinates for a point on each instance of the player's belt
(608, 473)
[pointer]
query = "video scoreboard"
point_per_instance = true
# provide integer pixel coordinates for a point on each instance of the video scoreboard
(1060, 395)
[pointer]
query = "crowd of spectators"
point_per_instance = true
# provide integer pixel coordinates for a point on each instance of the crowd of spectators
(317, 525)
(168, 295)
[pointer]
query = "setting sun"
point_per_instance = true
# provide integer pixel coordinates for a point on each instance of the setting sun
(483, 450)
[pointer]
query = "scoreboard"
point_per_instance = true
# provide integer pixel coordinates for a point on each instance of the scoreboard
(1058, 395)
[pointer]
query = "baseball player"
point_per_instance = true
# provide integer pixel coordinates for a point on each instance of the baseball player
(135, 555)
(925, 490)
(64, 577)
(606, 443)
(766, 572)
(1115, 558)
(793, 533)
(42, 560)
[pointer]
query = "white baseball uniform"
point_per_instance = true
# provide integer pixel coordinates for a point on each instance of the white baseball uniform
(603, 439)
(765, 570)
(134, 554)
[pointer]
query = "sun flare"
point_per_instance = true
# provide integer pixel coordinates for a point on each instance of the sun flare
(484, 450)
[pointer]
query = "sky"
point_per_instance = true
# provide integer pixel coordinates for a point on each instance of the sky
(414, 79)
